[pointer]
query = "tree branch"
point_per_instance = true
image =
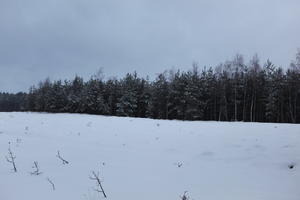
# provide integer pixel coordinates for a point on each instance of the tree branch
(97, 179)
(62, 159)
(52, 184)
(36, 167)
(11, 159)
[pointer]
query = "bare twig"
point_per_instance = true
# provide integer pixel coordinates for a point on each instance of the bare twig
(97, 179)
(179, 164)
(52, 184)
(36, 167)
(184, 196)
(11, 159)
(62, 159)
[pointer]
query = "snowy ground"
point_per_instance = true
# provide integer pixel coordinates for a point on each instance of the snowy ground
(143, 159)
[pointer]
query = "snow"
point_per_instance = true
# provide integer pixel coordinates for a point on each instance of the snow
(144, 159)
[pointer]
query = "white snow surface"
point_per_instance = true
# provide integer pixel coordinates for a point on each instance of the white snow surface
(145, 159)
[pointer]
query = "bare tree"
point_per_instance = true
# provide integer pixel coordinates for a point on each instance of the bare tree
(97, 179)
(62, 159)
(52, 184)
(11, 159)
(254, 70)
(238, 68)
(36, 169)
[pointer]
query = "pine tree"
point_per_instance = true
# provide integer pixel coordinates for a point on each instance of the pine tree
(159, 98)
(128, 103)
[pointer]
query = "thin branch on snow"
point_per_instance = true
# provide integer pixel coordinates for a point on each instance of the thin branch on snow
(97, 179)
(36, 167)
(62, 159)
(184, 196)
(179, 164)
(52, 184)
(11, 159)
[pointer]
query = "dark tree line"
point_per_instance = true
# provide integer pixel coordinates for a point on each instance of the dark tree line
(232, 91)
(13, 102)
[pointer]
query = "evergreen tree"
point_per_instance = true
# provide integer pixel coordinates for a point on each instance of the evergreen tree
(232, 91)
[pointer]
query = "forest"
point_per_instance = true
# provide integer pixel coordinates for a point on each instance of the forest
(231, 91)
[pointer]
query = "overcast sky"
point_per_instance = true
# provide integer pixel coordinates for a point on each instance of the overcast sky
(61, 38)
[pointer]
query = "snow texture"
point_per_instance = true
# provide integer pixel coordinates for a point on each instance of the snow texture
(144, 159)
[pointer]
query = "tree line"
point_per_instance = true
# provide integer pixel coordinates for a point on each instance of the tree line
(231, 91)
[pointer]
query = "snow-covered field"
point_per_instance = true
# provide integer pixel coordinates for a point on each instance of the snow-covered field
(144, 159)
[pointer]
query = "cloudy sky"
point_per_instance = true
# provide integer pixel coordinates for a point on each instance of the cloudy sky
(61, 38)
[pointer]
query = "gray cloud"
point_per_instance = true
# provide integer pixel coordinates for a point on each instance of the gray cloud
(61, 38)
